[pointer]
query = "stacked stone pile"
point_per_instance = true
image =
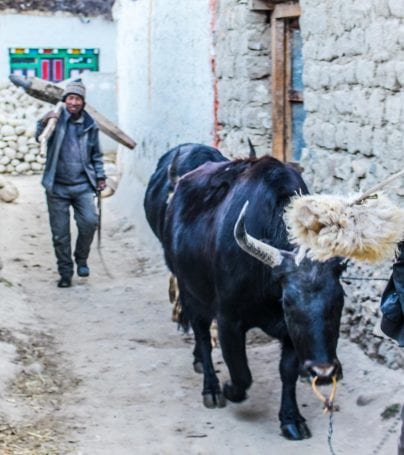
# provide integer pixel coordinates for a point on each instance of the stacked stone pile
(19, 151)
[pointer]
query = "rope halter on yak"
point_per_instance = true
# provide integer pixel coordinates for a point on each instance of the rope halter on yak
(328, 402)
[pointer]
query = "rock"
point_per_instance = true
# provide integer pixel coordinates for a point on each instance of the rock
(19, 130)
(4, 160)
(10, 138)
(18, 115)
(364, 400)
(35, 166)
(29, 157)
(23, 149)
(9, 192)
(7, 130)
(22, 167)
(9, 153)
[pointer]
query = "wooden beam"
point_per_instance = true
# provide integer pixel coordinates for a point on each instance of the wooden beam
(52, 93)
(261, 5)
(265, 5)
(287, 10)
(278, 88)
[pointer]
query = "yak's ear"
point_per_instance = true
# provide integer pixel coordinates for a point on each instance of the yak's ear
(339, 263)
(286, 267)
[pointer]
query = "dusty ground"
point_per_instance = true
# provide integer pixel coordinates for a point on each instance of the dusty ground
(100, 369)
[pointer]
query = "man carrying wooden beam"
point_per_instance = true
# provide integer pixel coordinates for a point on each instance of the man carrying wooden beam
(74, 171)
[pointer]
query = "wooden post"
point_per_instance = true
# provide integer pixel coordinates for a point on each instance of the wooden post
(52, 93)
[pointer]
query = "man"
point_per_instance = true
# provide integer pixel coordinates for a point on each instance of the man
(392, 307)
(74, 171)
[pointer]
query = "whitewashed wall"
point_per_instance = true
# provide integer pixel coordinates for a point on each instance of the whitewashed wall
(59, 31)
(165, 85)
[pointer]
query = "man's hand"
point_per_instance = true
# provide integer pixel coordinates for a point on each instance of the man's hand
(45, 119)
(101, 184)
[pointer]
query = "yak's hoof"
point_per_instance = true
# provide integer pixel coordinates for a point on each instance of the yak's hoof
(233, 393)
(198, 366)
(296, 431)
(214, 400)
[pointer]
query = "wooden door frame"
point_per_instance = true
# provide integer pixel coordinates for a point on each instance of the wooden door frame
(281, 72)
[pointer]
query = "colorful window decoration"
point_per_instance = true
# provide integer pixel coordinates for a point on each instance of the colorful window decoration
(52, 64)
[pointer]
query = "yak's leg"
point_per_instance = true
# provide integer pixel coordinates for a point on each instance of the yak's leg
(212, 393)
(293, 424)
(198, 362)
(232, 342)
(198, 368)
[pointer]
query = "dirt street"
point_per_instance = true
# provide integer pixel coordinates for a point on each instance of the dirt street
(100, 369)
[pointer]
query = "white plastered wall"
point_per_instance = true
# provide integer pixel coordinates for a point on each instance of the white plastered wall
(57, 31)
(165, 87)
(36, 30)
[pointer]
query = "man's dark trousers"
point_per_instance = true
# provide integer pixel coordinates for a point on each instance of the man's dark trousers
(81, 198)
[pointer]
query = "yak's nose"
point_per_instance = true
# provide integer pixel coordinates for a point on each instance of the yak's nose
(323, 371)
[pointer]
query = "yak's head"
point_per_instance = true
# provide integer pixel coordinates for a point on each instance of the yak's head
(312, 300)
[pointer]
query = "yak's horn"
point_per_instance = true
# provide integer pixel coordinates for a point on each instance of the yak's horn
(262, 251)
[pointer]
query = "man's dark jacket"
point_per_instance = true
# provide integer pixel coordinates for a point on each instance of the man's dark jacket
(392, 303)
(90, 151)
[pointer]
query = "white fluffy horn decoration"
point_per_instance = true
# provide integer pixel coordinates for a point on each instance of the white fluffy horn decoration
(330, 226)
(262, 251)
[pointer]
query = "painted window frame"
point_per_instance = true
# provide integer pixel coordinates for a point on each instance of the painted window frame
(282, 97)
(53, 64)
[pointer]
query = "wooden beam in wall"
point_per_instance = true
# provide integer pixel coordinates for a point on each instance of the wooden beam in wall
(265, 5)
(278, 88)
(287, 10)
(261, 5)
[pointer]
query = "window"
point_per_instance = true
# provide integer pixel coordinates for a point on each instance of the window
(288, 112)
(52, 64)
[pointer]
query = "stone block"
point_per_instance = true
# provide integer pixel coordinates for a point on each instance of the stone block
(257, 67)
(353, 137)
(329, 131)
(379, 142)
(375, 42)
(341, 141)
(396, 8)
(375, 111)
(366, 139)
(393, 108)
(342, 102)
(360, 167)
(311, 101)
(365, 72)
(386, 75)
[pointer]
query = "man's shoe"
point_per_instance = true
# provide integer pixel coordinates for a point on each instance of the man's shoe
(83, 270)
(64, 282)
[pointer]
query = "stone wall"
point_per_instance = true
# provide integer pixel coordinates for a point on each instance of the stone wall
(243, 70)
(19, 151)
(353, 77)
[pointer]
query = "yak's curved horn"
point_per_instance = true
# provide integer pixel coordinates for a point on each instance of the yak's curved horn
(253, 153)
(265, 253)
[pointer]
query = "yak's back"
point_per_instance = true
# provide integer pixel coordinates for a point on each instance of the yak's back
(205, 188)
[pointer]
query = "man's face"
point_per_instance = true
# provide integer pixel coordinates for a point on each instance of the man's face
(74, 104)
